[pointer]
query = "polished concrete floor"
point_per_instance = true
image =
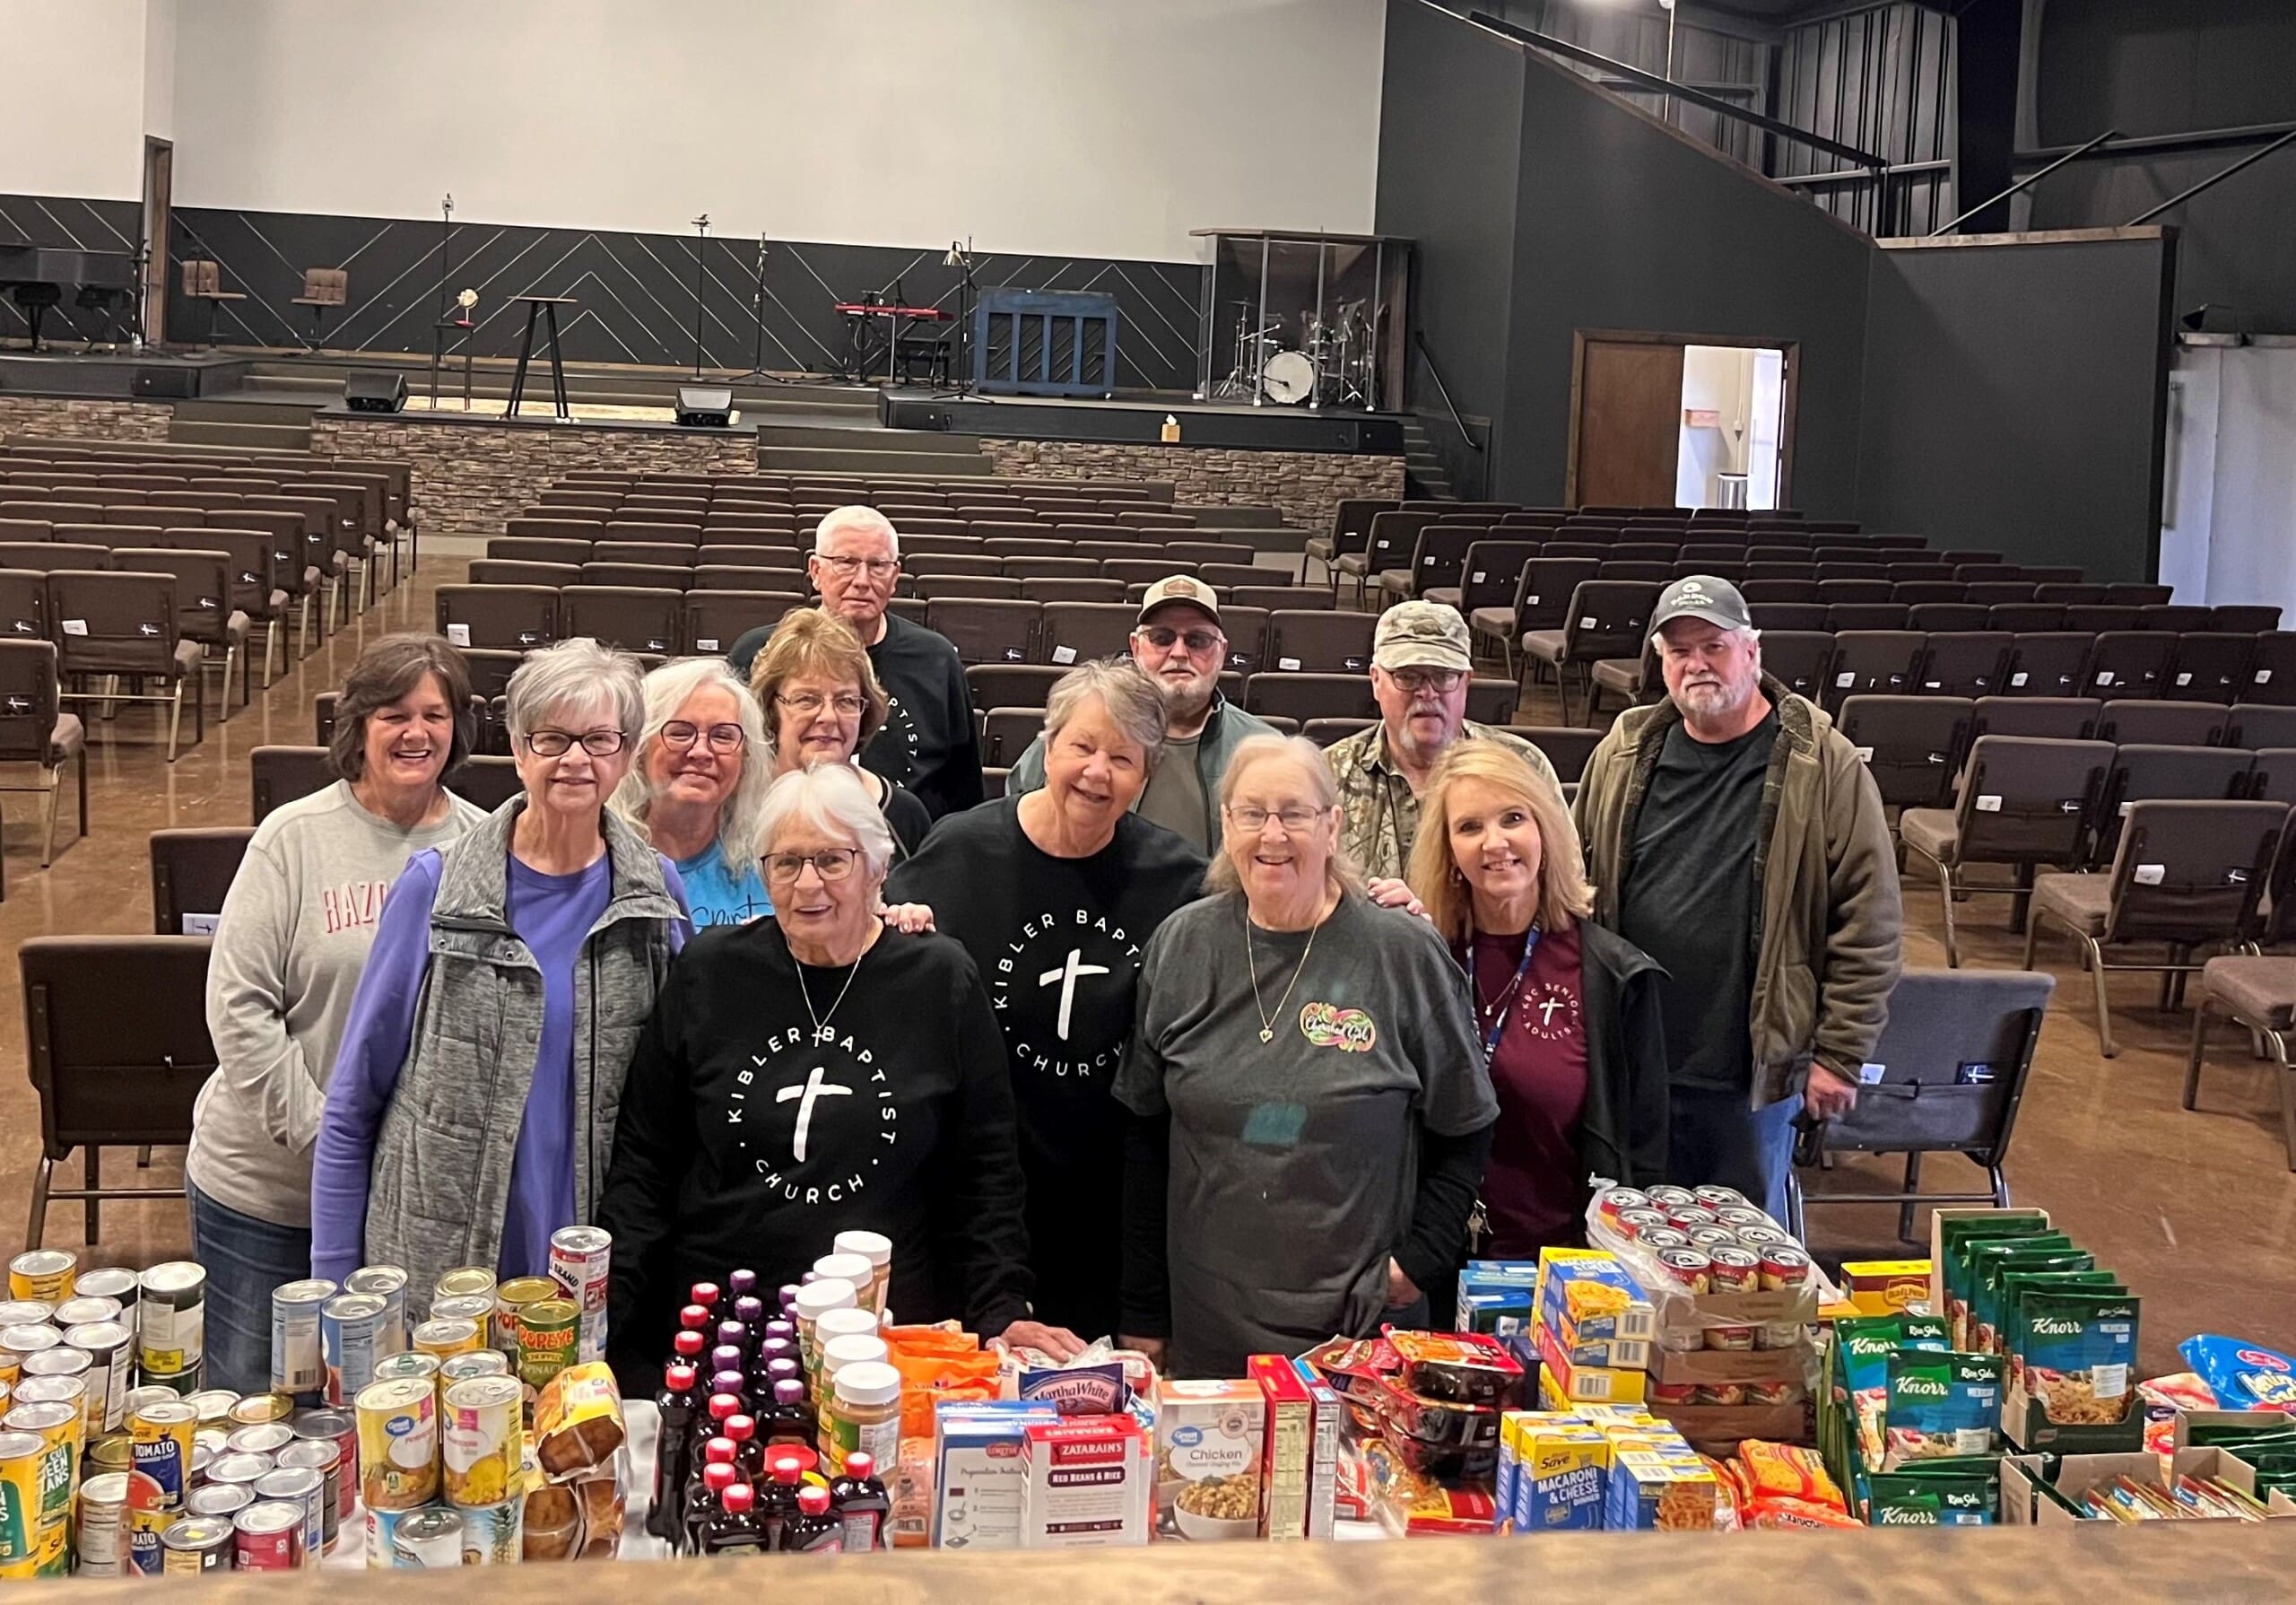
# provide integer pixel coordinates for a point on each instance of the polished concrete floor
(2194, 1209)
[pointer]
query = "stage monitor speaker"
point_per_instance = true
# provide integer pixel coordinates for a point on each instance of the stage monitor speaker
(705, 406)
(375, 392)
(165, 384)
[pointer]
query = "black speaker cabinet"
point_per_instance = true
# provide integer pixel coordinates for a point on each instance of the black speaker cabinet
(166, 384)
(375, 392)
(705, 406)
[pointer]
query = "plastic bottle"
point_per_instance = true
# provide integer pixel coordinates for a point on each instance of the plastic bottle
(687, 1346)
(768, 1350)
(749, 1449)
(730, 1333)
(694, 1318)
(864, 1415)
(711, 1423)
(704, 1507)
(777, 1500)
(813, 1530)
(707, 1294)
(862, 1507)
(734, 1530)
(749, 1309)
(732, 1384)
(741, 1284)
(787, 1294)
(791, 1418)
(717, 1451)
(673, 1449)
(728, 1357)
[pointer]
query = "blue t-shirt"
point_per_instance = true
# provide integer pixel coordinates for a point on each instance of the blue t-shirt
(716, 896)
(553, 915)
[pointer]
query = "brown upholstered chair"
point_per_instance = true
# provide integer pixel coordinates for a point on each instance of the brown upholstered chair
(35, 729)
(125, 625)
(191, 870)
(281, 774)
(323, 287)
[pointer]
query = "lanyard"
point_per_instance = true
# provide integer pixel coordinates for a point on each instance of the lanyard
(1498, 1026)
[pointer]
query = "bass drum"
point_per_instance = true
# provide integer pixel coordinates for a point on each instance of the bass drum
(1289, 377)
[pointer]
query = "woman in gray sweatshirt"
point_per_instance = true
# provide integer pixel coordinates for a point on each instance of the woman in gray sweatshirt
(288, 952)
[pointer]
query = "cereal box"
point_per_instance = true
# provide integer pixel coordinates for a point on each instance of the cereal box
(1085, 1483)
(1290, 1449)
(1211, 1437)
(1652, 1492)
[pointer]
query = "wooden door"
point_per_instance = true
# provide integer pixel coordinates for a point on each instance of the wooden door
(1626, 426)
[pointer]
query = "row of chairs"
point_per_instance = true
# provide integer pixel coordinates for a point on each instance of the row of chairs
(924, 555)
(117, 636)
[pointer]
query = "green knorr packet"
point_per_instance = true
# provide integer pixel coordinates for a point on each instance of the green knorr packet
(1963, 1499)
(2017, 1282)
(1955, 1234)
(2075, 1348)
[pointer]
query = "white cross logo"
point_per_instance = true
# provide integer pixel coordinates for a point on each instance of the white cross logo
(1066, 976)
(1547, 1006)
(814, 1087)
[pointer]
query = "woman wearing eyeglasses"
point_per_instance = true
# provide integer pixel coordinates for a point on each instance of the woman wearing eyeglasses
(815, 1073)
(703, 765)
(823, 704)
(474, 1103)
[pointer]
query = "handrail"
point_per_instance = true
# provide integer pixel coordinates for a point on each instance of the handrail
(1418, 338)
(2029, 178)
(2211, 181)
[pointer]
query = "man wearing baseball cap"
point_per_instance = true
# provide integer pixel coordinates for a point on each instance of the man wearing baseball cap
(1178, 643)
(1419, 670)
(1733, 835)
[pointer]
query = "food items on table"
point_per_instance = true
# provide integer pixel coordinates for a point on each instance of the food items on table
(1210, 1441)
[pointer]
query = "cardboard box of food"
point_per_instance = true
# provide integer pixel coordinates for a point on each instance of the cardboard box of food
(1563, 1384)
(1290, 1449)
(2023, 1505)
(1211, 1437)
(1593, 1296)
(1937, 1245)
(1728, 1424)
(1552, 1472)
(1084, 1484)
(1880, 1286)
(978, 1470)
(1674, 1366)
(1648, 1491)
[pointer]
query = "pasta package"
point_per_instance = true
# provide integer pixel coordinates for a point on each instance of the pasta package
(1941, 1405)
(2073, 1349)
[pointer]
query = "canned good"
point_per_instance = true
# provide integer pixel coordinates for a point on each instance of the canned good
(1659, 1239)
(427, 1538)
(1732, 1339)
(340, 1428)
(209, 1444)
(1615, 1200)
(1775, 1392)
(1720, 1393)
(111, 1453)
(1715, 1196)
(387, 1283)
(195, 1546)
(350, 1340)
(161, 1434)
(477, 1307)
(1712, 1237)
(71, 1391)
(26, 1312)
(269, 1536)
(405, 1366)
(213, 1404)
(398, 1444)
(110, 1349)
(461, 1367)
(511, 1297)
(493, 1534)
(1689, 1267)
(225, 1500)
(580, 1262)
(1669, 1197)
(46, 1274)
(268, 1438)
(1733, 1270)
(1687, 1216)
(17, 1342)
(550, 1334)
(295, 1364)
(482, 1439)
(320, 1455)
(39, 1456)
(300, 1486)
(1784, 1268)
(241, 1467)
(171, 1325)
(1779, 1334)
(1743, 1215)
(100, 1526)
(464, 1282)
(1759, 1237)
(1634, 1222)
(1671, 1394)
(82, 1311)
(443, 1337)
(112, 1281)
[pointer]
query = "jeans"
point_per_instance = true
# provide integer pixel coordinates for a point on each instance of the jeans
(1714, 1137)
(246, 1259)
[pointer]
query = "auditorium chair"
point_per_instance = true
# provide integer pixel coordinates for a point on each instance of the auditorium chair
(48, 556)
(1971, 662)
(1808, 618)
(1028, 545)
(1307, 696)
(1605, 618)
(1842, 617)
(497, 571)
(2049, 663)
(515, 618)
(2024, 618)
(520, 548)
(1350, 528)
(484, 780)
(125, 625)
(1269, 598)
(2257, 990)
(191, 870)
(1246, 631)
(1541, 600)
(277, 775)
(1320, 642)
(1074, 632)
(728, 576)
(657, 576)
(2054, 718)
(1998, 593)
(205, 610)
(24, 604)
(2150, 722)
(985, 629)
(1910, 745)
(1798, 659)
(36, 730)
(1051, 568)
(637, 620)
(2210, 666)
(1005, 734)
(712, 621)
(2272, 775)
(2244, 618)
(2124, 663)
(1327, 732)
(1941, 618)
(1872, 662)
(1486, 577)
(2138, 594)
(2257, 724)
(2145, 771)
(1436, 559)
(668, 555)
(971, 564)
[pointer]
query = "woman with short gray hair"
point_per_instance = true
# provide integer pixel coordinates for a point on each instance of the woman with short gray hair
(816, 1073)
(473, 1112)
(1055, 893)
(699, 781)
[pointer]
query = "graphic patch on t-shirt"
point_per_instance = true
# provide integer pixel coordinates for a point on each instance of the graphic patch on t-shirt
(899, 734)
(1327, 1025)
(816, 1114)
(1550, 1011)
(1063, 992)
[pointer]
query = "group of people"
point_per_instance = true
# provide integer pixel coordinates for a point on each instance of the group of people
(1201, 1037)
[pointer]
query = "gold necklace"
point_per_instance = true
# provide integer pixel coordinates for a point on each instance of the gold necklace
(1251, 968)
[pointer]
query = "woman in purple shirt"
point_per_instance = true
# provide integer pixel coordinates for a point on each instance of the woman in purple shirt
(473, 1109)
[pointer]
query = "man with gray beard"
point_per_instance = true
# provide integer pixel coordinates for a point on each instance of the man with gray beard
(1734, 836)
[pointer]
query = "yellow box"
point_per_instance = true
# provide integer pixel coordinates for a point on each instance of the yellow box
(1563, 1384)
(1560, 1474)
(1884, 1286)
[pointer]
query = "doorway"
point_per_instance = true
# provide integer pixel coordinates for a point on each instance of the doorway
(1668, 420)
(159, 197)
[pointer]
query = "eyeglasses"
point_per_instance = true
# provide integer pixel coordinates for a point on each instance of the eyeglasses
(834, 864)
(553, 744)
(880, 568)
(1162, 636)
(722, 739)
(1442, 682)
(1295, 819)
(849, 705)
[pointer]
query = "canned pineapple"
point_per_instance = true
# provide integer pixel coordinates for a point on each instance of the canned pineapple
(398, 1444)
(482, 1442)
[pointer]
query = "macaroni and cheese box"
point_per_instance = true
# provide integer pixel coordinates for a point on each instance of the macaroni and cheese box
(1563, 1384)
(1649, 1491)
(1555, 1483)
(1591, 1294)
(1211, 1438)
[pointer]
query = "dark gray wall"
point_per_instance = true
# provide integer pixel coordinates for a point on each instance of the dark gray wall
(2013, 399)
(1626, 224)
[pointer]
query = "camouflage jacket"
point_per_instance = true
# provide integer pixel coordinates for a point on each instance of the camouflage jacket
(1379, 812)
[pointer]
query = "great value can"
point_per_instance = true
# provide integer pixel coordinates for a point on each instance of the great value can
(340, 1428)
(351, 1329)
(195, 1546)
(510, 1299)
(172, 1337)
(295, 1364)
(47, 1274)
(28, 1548)
(407, 1366)
(300, 1486)
(269, 1536)
(444, 1338)
(580, 1261)
(100, 1526)
(493, 1534)
(429, 1538)
(482, 1439)
(320, 1455)
(398, 1444)
(387, 1283)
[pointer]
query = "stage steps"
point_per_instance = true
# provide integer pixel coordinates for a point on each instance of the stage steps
(1424, 475)
(320, 379)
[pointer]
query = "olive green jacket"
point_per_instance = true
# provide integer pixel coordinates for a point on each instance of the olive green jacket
(1828, 922)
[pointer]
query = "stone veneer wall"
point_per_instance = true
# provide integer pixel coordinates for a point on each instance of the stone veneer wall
(1307, 486)
(469, 478)
(84, 417)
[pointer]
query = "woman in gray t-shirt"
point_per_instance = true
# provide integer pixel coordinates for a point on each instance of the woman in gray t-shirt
(288, 952)
(1313, 1111)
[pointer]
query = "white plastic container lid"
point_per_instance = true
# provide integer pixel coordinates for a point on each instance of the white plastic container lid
(844, 1323)
(873, 1246)
(852, 1349)
(845, 1267)
(817, 1299)
(868, 1381)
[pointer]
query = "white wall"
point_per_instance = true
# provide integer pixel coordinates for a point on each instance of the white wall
(72, 98)
(1088, 127)
(1718, 378)
(2229, 527)
(159, 68)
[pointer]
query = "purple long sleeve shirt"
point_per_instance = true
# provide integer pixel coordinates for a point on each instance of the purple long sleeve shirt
(551, 915)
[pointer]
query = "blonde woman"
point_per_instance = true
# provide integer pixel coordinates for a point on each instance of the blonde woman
(823, 704)
(1565, 1012)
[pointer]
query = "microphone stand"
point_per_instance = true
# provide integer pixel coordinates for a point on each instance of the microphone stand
(757, 374)
(959, 256)
(446, 248)
(702, 239)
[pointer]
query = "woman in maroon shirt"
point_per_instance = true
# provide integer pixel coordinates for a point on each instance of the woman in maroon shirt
(1567, 1012)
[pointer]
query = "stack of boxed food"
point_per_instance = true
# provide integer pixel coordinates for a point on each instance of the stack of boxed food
(1613, 1468)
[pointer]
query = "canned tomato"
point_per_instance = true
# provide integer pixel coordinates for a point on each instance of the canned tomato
(1712, 1237)
(1633, 1223)
(398, 1444)
(269, 1536)
(1784, 1268)
(268, 1438)
(1779, 1334)
(1687, 1216)
(82, 1311)
(1731, 1338)
(28, 1548)
(1689, 1267)
(295, 1364)
(1720, 1393)
(340, 1428)
(1715, 1196)
(443, 1337)
(1734, 1270)
(257, 1408)
(464, 1282)
(1774, 1392)
(387, 1283)
(1671, 1393)
(225, 1500)
(161, 1434)
(350, 1342)
(1615, 1200)
(1659, 1239)
(100, 1526)
(481, 1440)
(511, 1298)
(320, 1455)
(407, 1366)
(580, 1262)
(1743, 1215)
(171, 1325)
(549, 1336)
(302, 1487)
(46, 1274)
(197, 1545)
(1670, 1197)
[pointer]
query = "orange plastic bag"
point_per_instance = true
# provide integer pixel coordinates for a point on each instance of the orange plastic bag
(937, 1364)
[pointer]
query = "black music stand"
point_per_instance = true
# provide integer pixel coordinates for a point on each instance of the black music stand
(440, 332)
(543, 307)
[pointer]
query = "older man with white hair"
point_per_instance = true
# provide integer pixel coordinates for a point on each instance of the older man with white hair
(930, 742)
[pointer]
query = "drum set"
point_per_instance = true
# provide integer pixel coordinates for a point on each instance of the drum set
(1331, 365)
